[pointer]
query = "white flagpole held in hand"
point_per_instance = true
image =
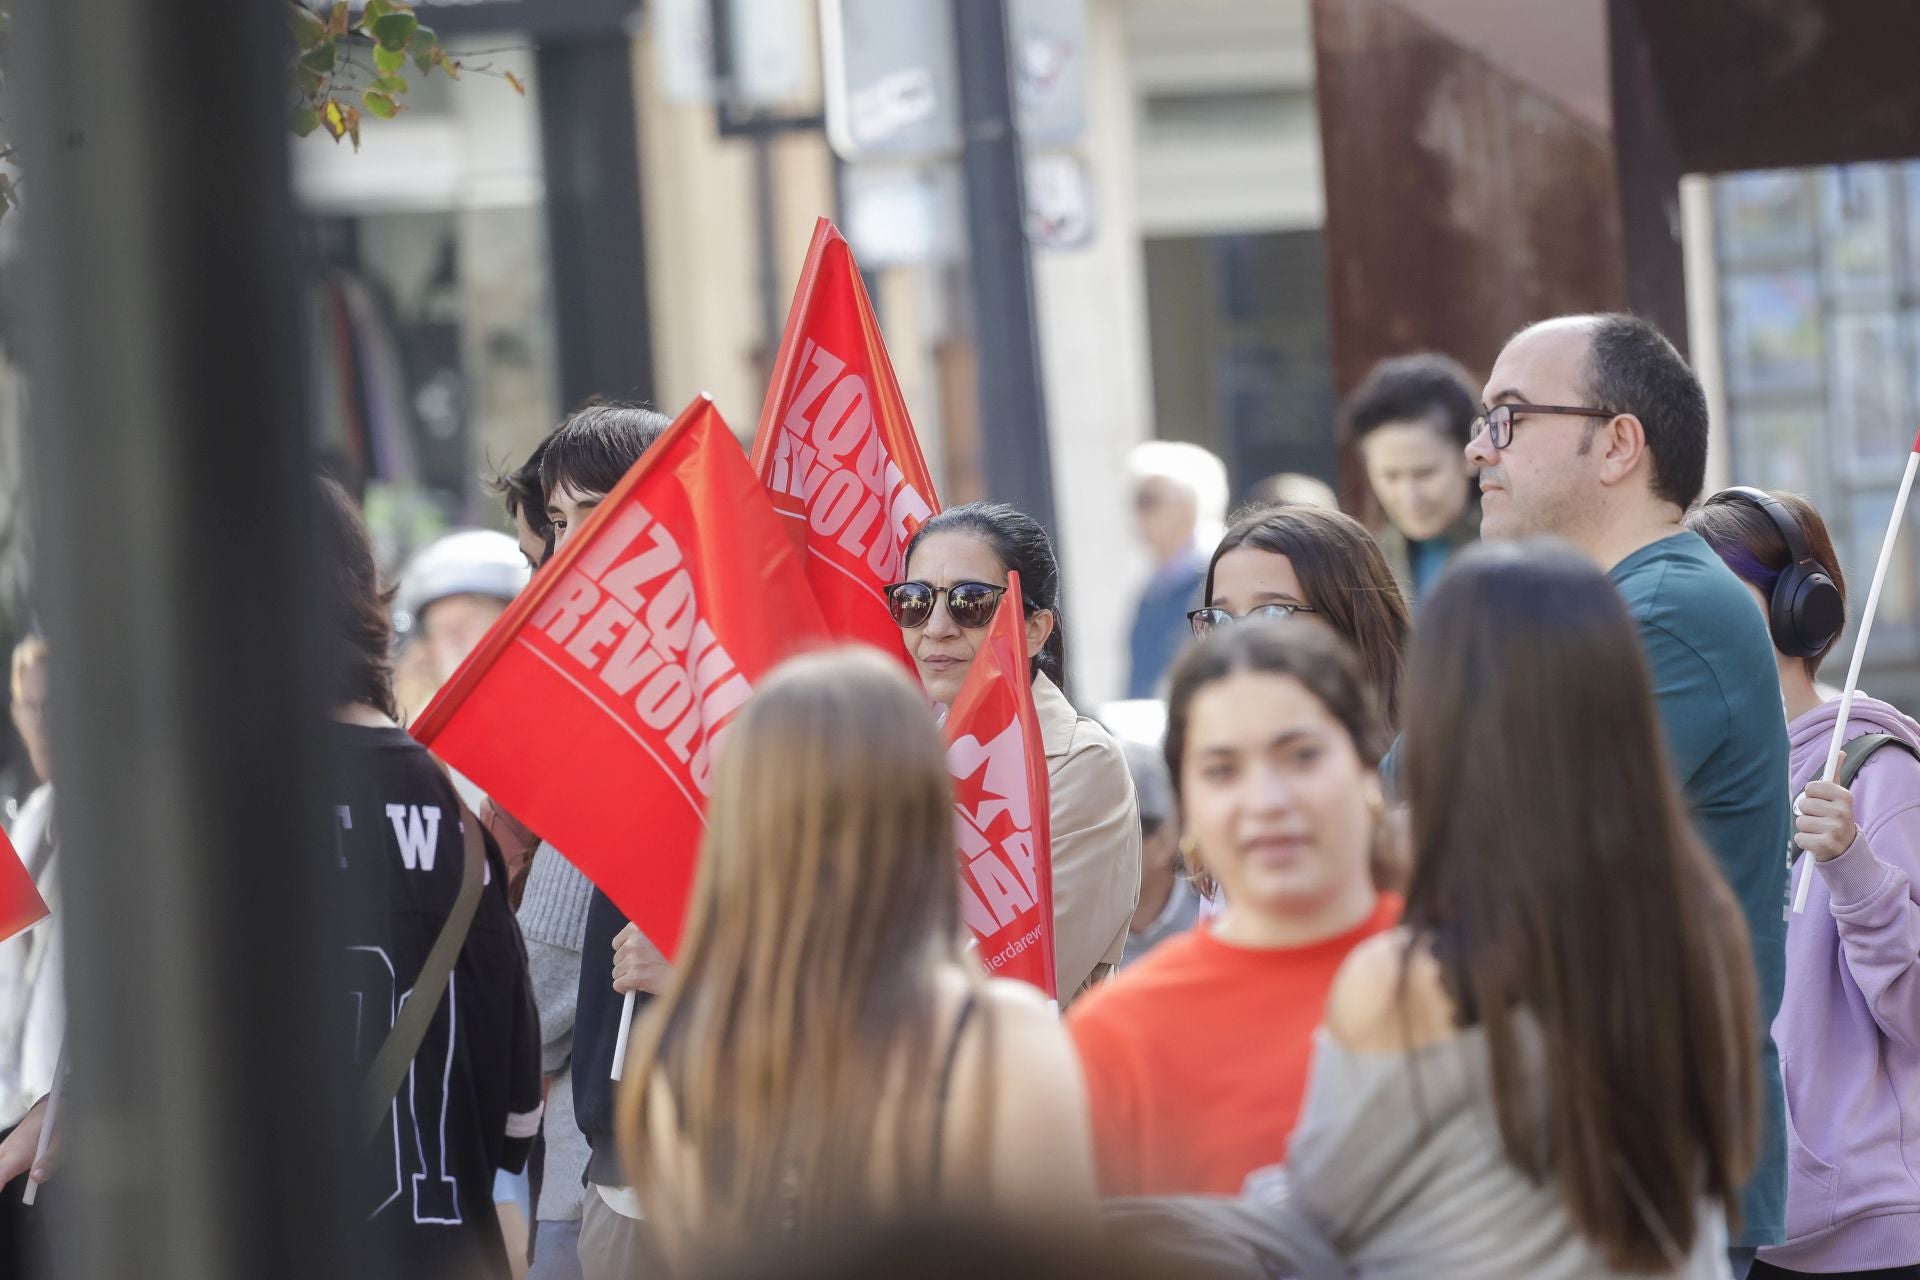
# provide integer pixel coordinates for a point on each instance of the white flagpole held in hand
(620, 1046)
(1859, 654)
(46, 1125)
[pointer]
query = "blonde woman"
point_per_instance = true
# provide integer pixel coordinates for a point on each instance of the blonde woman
(826, 1055)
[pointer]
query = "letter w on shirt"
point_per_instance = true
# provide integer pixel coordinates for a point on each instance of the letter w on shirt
(416, 840)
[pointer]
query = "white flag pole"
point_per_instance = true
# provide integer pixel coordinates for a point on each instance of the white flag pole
(47, 1122)
(620, 1046)
(1859, 654)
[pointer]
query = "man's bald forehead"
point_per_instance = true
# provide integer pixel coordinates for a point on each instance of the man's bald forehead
(1584, 325)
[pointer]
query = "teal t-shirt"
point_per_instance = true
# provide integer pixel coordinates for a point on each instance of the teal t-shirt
(1719, 696)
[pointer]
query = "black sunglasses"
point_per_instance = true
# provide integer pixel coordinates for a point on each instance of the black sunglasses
(970, 604)
(1205, 620)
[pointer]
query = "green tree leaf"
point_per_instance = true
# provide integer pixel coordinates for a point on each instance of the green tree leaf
(375, 10)
(395, 29)
(389, 60)
(309, 28)
(321, 58)
(392, 86)
(426, 46)
(305, 120)
(380, 104)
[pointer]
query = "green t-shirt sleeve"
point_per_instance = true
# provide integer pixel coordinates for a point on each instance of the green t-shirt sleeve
(1692, 706)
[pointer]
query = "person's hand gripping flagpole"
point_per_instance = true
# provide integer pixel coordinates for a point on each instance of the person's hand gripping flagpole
(1860, 653)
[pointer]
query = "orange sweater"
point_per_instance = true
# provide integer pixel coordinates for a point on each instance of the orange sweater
(1196, 1058)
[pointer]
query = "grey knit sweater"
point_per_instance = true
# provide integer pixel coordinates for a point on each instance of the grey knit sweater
(553, 918)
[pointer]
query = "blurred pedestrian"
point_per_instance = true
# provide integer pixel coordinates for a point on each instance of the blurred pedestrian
(1597, 431)
(1410, 418)
(1849, 1022)
(470, 1103)
(1169, 904)
(827, 1057)
(1322, 566)
(1548, 1070)
(33, 1004)
(451, 592)
(1196, 1058)
(1179, 504)
(957, 566)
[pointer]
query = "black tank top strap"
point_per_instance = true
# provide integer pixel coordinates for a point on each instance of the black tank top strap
(946, 1083)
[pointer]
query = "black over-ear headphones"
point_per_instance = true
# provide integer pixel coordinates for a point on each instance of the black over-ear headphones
(1806, 611)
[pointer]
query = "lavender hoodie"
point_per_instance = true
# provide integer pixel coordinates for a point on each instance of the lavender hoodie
(1849, 1025)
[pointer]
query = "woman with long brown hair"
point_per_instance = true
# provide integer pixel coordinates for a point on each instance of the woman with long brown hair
(826, 1056)
(1318, 565)
(1547, 1070)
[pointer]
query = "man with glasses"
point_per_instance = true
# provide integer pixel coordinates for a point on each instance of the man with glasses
(1595, 430)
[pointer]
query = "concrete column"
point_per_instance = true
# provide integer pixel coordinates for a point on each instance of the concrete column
(1092, 305)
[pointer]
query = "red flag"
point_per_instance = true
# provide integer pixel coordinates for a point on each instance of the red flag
(21, 905)
(999, 768)
(592, 709)
(836, 448)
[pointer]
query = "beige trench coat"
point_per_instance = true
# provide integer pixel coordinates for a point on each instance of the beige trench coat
(1095, 826)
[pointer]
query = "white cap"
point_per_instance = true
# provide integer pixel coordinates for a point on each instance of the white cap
(476, 562)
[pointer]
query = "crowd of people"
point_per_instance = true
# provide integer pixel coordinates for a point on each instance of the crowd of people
(1443, 930)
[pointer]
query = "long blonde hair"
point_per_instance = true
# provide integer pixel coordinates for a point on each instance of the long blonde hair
(803, 999)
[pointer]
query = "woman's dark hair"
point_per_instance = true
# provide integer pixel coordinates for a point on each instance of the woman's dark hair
(522, 493)
(1426, 387)
(1021, 546)
(358, 612)
(1751, 544)
(1346, 579)
(596, 446)
(1555, 871)
(1323, 663)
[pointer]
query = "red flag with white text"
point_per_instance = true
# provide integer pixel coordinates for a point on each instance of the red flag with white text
(21, 905)
(593, 708)
(836, 449)
(1000, 797)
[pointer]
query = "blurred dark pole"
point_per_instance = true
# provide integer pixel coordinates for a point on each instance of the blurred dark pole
(596, 229)
(167, 428)
(1013, 405)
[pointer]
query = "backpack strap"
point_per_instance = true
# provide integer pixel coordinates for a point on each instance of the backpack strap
(409, 1029)
(1857, 750)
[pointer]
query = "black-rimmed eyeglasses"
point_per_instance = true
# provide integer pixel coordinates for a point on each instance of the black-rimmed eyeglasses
(1498, 421)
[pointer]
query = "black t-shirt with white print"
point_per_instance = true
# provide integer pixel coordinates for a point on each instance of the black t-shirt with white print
(471, 1103)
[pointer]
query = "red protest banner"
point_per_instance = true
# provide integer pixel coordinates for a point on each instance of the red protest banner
(592, 709)
(837, 451)
(999, 769)
(21, 905)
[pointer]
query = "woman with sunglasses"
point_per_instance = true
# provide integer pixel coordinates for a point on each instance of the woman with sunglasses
(957, 567)
(1319, 565)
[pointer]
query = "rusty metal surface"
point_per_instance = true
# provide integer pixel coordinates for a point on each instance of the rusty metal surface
(1762, 84)
(1462, 202)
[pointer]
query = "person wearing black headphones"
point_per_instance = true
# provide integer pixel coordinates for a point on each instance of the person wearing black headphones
(1849, 1024)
